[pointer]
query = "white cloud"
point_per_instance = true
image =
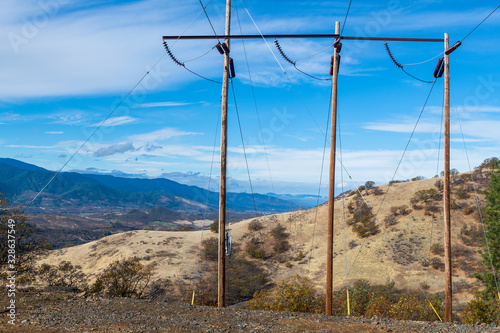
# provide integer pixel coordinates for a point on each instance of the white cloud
(117, 121)
(54, 132)
(159, 135)
(114, 149)
(162, 104)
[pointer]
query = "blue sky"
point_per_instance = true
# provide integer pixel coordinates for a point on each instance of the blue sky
(67, 63)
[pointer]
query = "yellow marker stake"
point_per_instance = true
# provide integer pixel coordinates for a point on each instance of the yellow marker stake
(348, 305)
(437, 314)
(192, 301)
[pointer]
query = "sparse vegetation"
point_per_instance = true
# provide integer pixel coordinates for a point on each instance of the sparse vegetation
(254, 249)
(63, 275)
(254, 225)
(294, 294)
(125, 278)
(210, 248)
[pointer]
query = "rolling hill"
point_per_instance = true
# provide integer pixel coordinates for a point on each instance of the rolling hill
(404, 248)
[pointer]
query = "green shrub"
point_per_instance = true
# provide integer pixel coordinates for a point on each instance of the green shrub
(480, 310)
(254, 250)
(294, 294)
(215, 227)
(411, 307)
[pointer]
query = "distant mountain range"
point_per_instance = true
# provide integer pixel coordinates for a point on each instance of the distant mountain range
(76, 193)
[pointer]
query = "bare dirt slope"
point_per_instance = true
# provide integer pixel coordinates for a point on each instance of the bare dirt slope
(374, 258)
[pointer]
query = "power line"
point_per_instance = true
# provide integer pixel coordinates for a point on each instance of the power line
(243, 145)
(284, 72)
(346, 15)
(208, 18)
(111, 113)
(477, 26)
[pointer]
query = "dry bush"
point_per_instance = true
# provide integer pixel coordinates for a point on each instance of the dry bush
(468, 209)
(63, 275)
(390, 220)
(404, 210)
(437, 263)
(254, 226)
(437, 249)
(254, 249)
(125, 278)
(210, 248)
(471, 235)
(461, 193)
(413, 307)
(294, 294)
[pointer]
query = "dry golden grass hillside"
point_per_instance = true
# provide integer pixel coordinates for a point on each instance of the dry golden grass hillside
(413, 231)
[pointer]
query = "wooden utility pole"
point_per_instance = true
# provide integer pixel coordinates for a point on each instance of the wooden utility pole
(221, 298)
(331, 188)
(447, 228)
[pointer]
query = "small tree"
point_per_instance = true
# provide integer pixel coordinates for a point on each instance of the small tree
(27, 243)
(492, 222)
(124, 278)
(215, 227)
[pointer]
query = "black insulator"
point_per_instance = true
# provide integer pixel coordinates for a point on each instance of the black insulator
(453, 48)
(226, 49)
(278, 46)
(338, 46)
(391, 56)
(438, 72)
(441, 71)
(171, 55)
(331, 66)
(232, 73)
(219, 48)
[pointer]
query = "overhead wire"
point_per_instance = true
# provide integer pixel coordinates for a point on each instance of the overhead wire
(320, 179)
(209, 21)
(477, 26)
(397, 168)
(255, 101)
(437, 174)
(283, 70)
(111, 113)
(399, 65)
(393, 245)
(243, 145)
(345, 19)
(206, 208)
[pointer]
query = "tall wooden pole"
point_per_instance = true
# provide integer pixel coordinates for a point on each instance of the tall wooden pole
(221, 298)
(447, 228)
(331, 193)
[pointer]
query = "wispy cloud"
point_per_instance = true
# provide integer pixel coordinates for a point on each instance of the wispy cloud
(114, 149)
(159, 135)
(54, 132)
(117, 121)
(162, 104)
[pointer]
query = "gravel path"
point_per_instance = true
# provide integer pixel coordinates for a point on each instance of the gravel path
(63, 312)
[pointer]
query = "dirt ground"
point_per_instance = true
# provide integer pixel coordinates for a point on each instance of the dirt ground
(58, 311)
